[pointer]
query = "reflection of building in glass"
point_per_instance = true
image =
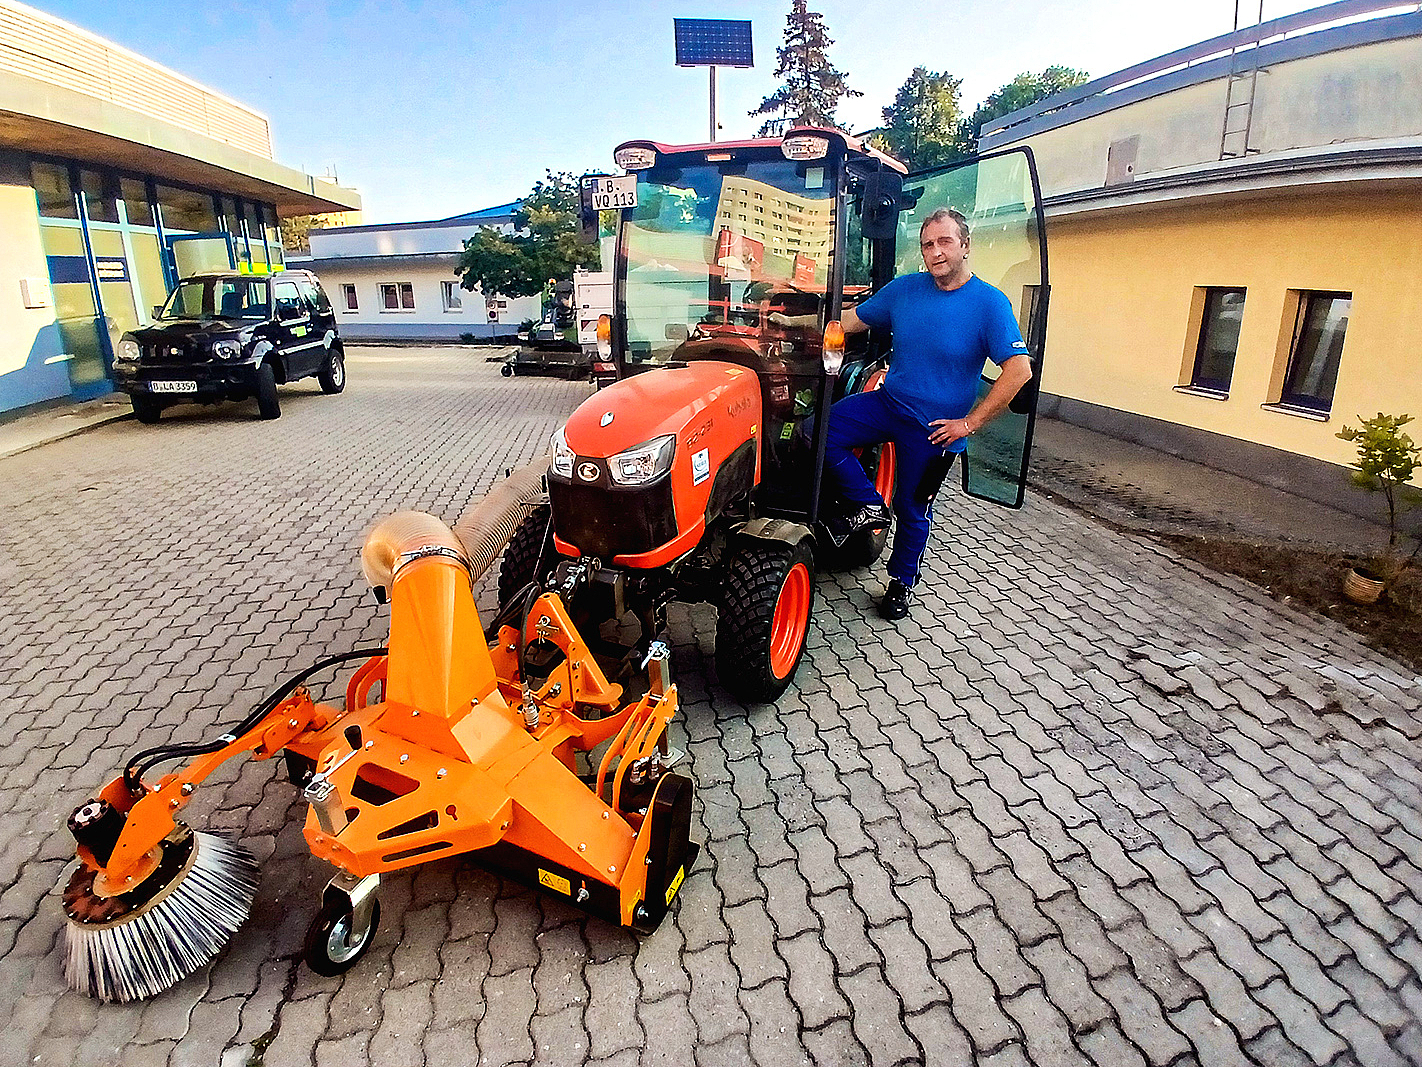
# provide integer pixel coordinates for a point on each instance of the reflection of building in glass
(787, 224)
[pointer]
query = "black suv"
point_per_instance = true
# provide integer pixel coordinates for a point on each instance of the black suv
(228, 336)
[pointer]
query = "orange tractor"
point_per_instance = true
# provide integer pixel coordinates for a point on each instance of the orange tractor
(697, 475)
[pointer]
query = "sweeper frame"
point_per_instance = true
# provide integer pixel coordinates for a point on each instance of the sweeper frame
(472, 750)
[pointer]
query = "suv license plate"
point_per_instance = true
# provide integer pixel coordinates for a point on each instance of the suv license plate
(172, 387)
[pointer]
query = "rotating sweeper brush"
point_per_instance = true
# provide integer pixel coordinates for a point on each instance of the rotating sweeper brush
(473, 748)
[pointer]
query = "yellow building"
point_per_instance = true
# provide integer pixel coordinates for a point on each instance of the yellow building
(1236, 242)
(117, 177)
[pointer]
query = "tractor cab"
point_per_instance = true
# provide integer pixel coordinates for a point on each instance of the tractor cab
(742, 252)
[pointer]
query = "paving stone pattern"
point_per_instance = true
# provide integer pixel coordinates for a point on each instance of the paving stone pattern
(1088, 804)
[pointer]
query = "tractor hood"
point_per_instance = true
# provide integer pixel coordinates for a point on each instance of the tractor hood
(661, 402)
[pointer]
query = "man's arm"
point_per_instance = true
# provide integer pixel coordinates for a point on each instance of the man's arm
(847, 318)
(1016, 372)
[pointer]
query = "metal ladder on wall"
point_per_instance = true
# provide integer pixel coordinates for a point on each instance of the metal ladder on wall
(1241, 84)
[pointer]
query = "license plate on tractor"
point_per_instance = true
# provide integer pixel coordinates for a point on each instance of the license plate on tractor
(612, 193)
(172, 387)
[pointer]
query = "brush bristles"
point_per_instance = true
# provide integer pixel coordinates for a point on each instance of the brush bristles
(163, 942)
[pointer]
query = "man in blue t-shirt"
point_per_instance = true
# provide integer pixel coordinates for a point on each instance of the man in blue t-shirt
(945, 322)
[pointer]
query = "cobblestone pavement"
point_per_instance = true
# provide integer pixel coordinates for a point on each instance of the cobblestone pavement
(1088, 804)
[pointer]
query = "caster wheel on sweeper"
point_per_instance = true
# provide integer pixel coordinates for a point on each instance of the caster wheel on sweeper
(333, 944)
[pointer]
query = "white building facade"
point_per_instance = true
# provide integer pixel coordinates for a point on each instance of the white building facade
(398, 282)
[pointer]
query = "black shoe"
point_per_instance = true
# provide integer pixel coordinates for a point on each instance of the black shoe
(895, 604)
(840, 525)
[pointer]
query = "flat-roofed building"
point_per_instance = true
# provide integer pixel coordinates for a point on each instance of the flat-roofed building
(396, 281)
(1235, 233)
(117, 177)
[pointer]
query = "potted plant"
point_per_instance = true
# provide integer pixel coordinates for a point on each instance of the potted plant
(1387, 459)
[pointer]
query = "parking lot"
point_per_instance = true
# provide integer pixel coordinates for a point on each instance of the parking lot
(1090, 803)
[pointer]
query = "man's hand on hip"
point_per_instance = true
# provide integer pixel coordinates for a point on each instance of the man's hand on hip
(945, 431)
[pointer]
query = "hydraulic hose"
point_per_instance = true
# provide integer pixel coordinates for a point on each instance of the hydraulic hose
(133, 772)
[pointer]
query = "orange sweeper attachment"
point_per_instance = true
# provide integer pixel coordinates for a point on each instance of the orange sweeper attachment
(479, 745)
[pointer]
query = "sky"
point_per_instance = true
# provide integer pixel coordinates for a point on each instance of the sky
(434, 109)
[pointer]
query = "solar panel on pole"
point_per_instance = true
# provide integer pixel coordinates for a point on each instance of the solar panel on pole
(713, 43)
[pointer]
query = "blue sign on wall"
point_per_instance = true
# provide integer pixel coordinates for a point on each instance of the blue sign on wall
(64, 269)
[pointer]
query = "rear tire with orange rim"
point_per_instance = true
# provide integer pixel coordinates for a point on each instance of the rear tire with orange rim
(764, 618)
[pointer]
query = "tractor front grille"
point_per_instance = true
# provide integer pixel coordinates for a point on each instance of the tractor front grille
(605, 521)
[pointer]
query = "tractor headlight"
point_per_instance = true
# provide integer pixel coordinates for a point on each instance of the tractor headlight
(562, 455)
(227, 349)
(640, 465)
(127, 351)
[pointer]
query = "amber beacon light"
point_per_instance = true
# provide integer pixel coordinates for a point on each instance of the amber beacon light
(833, 347)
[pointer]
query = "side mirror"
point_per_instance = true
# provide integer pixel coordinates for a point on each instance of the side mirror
(879, 204)
(677, 331)
(157, 310)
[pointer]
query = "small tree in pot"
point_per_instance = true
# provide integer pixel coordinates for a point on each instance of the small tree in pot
(1387, 459)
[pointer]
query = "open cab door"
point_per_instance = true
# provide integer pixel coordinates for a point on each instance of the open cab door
(1000, 196)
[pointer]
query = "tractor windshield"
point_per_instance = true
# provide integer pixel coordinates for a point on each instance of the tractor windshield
(712, 251)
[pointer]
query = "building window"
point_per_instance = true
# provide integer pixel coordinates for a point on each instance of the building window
(352, 304)
(397, 296)
(1317, 345)
(186, 210)
(53, 191)
(449, 294)
(1219, 340)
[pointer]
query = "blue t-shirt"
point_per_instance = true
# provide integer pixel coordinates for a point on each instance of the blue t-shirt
(941, 341)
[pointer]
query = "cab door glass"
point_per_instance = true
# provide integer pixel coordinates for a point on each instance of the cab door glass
(998, 194)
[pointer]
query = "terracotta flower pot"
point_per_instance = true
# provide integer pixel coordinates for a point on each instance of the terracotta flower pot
(1361, 588)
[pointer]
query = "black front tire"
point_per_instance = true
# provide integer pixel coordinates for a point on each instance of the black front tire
(533, 539)
(332, 375)
(146, 410)
(330, 950)
(764, 618)
(268, 406)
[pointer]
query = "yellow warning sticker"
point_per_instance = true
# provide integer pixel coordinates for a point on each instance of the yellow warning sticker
(553, 881)
(676, 883)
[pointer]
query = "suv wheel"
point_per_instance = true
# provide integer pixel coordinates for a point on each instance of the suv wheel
(764, 618)
(145, 409)
(268, 406)
(332, 376)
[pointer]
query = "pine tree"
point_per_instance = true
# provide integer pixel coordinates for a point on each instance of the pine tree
(811, 88)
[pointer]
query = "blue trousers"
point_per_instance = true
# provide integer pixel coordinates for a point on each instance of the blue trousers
(870, 418)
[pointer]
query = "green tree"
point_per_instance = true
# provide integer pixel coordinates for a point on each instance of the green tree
(921, 125)
(1027, 88)
(811, 88)
(548, 243)
(1387, 460)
